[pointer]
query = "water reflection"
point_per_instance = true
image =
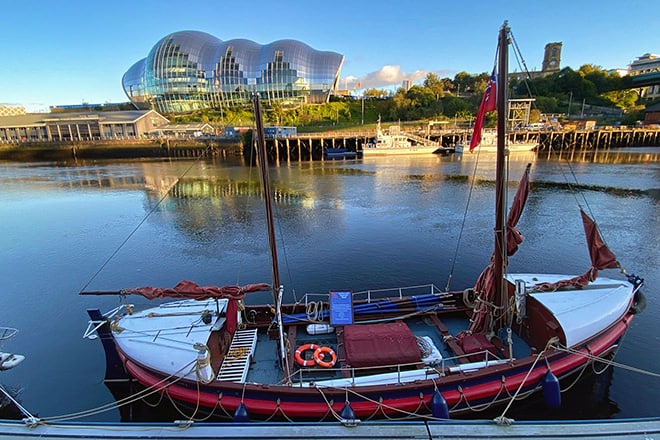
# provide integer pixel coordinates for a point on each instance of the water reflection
(642, 155)
(350, 224)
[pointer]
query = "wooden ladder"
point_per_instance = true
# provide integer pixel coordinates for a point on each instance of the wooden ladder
(236, 363)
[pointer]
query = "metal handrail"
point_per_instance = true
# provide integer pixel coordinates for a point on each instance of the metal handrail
(7, 333)
(370, 294)
(440, 369)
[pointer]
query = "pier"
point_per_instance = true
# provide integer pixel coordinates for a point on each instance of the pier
(313, 146)
(306, 147)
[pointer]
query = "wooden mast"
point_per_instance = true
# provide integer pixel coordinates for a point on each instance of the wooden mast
(278, 289)
(262, 160)
(500, 180)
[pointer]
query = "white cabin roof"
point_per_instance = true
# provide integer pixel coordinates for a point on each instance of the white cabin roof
(581, 312)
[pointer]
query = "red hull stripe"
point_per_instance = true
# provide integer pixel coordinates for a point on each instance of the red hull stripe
(476, 389)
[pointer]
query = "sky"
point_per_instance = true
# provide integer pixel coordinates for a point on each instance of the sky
(73, 51)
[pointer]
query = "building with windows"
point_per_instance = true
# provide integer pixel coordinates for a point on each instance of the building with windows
(192, 70)
(646, 64)
(79, 126)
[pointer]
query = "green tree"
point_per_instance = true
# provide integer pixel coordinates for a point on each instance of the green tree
(546, 104)
(464, 82)
(375, 93)
(435, 85)
(453, 106)
(624, 99)
(420, 96)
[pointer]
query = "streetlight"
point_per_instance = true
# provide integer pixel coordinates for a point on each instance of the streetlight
(570, 101)
(362, 108)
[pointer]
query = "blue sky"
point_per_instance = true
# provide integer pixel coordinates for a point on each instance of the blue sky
(67, 52)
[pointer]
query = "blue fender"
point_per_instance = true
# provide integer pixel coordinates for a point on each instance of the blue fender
(439, 408)
(551, 391)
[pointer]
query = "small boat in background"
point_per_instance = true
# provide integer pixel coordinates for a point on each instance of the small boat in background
(338, 154)
(488, 144)
(394, 141)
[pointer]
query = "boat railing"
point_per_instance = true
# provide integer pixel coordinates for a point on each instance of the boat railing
(396, 292)
(7, 333)
(398, 373)
(94, 325)
(374, 294)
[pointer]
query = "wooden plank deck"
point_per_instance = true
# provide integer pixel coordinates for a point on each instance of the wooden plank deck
(584, 430)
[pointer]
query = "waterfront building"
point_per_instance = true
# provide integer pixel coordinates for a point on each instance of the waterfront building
(192, 70)
(79, 126)
(190, 130)
(647, 63)
(652, 115)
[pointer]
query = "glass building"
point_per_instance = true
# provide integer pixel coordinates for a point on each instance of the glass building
(193, 70)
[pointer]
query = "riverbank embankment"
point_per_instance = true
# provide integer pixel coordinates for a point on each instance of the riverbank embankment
(120, 149)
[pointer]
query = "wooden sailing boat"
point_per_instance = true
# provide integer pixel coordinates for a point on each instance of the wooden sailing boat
(417, 352)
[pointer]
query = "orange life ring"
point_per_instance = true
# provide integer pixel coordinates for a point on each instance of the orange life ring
(304, 362)
(319, 357)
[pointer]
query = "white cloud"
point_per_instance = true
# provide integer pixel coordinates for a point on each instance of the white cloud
(387, 76)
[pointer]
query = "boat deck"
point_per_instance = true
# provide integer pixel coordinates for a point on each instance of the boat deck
(265, 366)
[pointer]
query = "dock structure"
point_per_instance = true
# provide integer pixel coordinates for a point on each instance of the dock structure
(313, 146)
(465, 430)
(587, 139)
(308, 147)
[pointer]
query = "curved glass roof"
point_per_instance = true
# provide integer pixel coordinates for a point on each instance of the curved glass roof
(193, 70)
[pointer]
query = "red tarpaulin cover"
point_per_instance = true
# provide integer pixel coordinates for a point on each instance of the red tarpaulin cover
(189, 289)
(380, 344)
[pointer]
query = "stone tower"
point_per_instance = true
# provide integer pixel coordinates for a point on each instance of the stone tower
(552, 58)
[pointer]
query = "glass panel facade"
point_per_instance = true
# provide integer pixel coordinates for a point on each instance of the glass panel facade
(192, 70)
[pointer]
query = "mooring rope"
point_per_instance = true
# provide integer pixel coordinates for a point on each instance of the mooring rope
(155, 388)
(606, 361)
(502, 419)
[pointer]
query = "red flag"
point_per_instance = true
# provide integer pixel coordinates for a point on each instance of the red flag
(488, 104)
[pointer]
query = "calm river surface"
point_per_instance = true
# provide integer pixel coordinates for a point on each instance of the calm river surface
(371, 223)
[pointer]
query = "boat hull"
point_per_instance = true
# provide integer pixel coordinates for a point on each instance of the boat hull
(462, 392)
(492, 148)
(393, 151)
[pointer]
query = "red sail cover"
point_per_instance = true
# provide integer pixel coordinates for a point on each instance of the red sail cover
(601, 258)
(485, 285)
(189, 289)
(369, 345)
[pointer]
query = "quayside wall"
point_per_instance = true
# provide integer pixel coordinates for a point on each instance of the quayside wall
(177, 148)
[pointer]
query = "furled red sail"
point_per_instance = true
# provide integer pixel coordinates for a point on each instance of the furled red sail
(189, 289)
(488, 104)
(485, 285)
(601, 258)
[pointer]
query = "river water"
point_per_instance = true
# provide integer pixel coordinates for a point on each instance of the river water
(372, 223)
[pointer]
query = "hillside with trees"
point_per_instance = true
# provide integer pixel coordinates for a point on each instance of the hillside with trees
(454, 100)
